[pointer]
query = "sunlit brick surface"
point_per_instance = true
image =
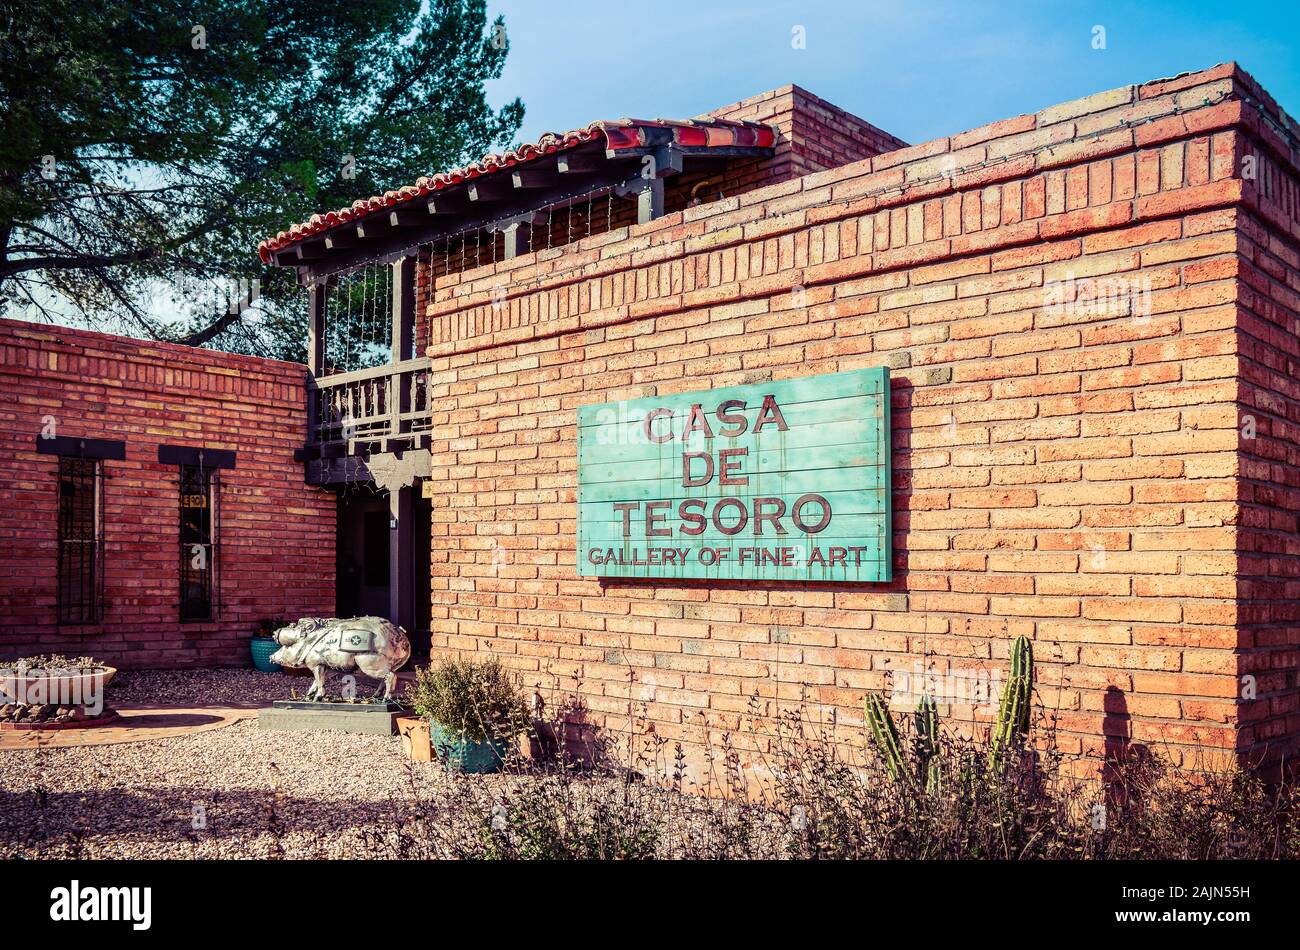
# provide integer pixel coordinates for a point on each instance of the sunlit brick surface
(277, 534)
(1079, 308)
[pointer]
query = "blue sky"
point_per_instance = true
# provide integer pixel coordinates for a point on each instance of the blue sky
(916, 69)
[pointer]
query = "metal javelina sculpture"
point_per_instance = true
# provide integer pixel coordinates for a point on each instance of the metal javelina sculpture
(370, 645)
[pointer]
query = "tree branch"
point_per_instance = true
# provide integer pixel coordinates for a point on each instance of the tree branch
(73, 261)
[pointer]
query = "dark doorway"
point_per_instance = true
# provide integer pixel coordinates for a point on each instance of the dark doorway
(373, 555)
(363, 561)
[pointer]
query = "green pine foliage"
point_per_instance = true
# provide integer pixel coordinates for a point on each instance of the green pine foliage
(146, 146)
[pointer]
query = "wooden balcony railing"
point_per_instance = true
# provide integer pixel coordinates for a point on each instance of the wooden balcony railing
(381, 405)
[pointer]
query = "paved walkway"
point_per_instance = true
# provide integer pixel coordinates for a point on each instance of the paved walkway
(138, 723)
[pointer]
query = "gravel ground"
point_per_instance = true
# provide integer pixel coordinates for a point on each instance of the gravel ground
(240, 792)
(205, 687)
(258, 794)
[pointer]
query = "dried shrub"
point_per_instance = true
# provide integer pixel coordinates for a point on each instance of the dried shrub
(477, 699)
(807, 794)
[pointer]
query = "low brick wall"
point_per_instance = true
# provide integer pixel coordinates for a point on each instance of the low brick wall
(1076, 306)
(277, 534)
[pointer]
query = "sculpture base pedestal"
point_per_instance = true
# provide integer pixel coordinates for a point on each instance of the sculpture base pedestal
(296, 715)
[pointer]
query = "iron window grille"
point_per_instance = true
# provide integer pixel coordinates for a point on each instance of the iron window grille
(199, 549)
(81, 539)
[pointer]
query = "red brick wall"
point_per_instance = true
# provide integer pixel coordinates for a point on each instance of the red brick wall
(813, 134)
(1065, 468)
(277, 535)
(1268, 269)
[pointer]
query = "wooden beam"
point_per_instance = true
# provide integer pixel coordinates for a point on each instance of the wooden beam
(532, 178)
(375, 226)
(345, 237)
(669, 160)
(451, 210)
(407, 217)
(448, 203)
(489, 188)
(316, 327)
(308, 250)
(403, 316)
(577, 163)
(649, 194)
(624, 173)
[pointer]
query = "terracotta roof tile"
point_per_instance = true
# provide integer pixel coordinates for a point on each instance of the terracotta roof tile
(619, 134)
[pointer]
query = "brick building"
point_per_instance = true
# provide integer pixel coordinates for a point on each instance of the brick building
(1087, 315)
(118, 538)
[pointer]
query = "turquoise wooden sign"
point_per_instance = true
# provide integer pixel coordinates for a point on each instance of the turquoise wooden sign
(780, 481)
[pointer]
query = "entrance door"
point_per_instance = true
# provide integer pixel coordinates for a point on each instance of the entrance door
(383, 559)
(364, 567)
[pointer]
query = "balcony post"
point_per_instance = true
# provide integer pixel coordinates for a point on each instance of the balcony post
(315, 353)
(401, 537)
(403, 309)
(316, 326)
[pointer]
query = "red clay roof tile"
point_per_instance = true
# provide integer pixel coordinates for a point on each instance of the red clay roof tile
(620, 135)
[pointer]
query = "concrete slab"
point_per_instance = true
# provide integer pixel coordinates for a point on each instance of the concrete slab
(297, 716)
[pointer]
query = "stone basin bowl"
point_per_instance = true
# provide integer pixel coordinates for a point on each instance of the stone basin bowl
(60, 687)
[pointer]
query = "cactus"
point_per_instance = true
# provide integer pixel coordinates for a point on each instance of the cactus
(1012, 725)
(885, 735)
(928, 766)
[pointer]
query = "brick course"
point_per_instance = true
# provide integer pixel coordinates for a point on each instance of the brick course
(277, 534)
(1065, 468)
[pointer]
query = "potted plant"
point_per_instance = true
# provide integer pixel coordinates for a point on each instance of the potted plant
(263, 644)
(49, 684)
(474, 710)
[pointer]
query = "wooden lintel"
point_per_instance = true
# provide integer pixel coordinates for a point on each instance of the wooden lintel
(493, 198)
(516, 205)
(486, 190)
(528, 217)
(407, 217)
(532, 178)
(571, 163)
(344, 237)
(445, 203)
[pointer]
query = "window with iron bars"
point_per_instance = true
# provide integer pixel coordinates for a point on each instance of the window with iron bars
(80, 599)
(198, 542)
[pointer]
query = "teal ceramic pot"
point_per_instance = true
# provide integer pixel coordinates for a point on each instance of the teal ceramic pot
(456, 751)
(262, 648)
